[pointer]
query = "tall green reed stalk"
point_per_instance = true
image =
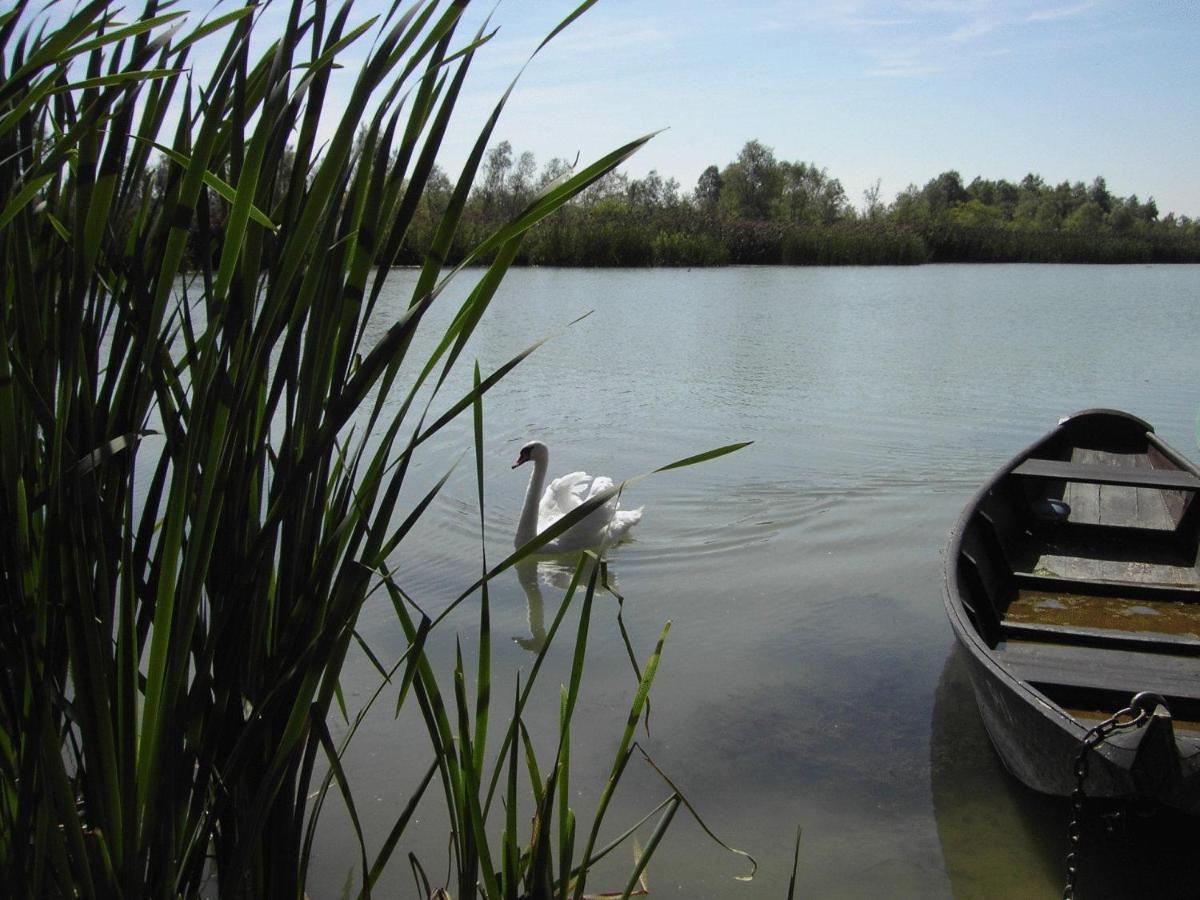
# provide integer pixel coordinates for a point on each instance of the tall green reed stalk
(173, 648)
(199, 481)
(556, 860)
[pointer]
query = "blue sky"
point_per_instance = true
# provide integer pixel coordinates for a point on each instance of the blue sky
(898, 91)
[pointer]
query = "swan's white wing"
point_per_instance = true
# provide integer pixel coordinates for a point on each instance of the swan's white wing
(561, 496)
(606, 525)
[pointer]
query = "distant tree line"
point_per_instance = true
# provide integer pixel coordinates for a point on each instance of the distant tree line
(758, 209)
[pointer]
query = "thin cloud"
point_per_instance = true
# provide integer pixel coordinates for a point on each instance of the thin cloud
(848, 16)
(904, 70)
(873, 22)
(973, 30)
(618, 36)
(1062, 12)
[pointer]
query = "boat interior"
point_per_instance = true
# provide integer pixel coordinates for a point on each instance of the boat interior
(1079, 570)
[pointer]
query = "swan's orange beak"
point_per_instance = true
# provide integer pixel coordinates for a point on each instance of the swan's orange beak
(523, 458)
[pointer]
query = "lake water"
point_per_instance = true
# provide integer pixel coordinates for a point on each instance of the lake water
(808, 678)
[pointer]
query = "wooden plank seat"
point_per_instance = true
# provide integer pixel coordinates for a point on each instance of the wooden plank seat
(1120, 639)
(1099, 473)
(1125, 671)
(1185, 593)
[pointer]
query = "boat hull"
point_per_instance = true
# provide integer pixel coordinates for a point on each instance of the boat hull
(1037, 726)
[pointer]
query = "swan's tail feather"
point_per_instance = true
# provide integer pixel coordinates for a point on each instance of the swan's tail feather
(622, 522)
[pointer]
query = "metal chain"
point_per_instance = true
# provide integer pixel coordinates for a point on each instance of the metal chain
(1132, 716)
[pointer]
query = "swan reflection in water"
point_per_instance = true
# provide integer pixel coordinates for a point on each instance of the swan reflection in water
(554, 573)
(544, 505)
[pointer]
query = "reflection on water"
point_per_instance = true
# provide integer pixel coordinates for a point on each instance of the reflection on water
(527, 575)
(802, 576)
(554, 572)
(1000, 839)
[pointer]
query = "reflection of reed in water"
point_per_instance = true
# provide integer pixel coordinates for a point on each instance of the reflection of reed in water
(1000, 839)
(555, 573)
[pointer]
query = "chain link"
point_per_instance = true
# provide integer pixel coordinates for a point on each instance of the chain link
(1132, 716)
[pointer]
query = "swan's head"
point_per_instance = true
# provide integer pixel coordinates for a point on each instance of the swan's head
(534, 450)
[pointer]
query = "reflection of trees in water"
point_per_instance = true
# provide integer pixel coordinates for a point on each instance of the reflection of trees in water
(1000, 839)
(554, 573)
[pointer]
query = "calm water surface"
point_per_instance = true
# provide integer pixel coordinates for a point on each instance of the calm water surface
(808, 678)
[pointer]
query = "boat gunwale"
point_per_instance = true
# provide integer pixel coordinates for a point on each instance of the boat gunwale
(966, 633)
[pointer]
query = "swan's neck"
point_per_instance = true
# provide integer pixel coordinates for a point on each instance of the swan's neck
(528, 525)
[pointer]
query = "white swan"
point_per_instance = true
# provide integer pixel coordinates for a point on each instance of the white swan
(604, 527)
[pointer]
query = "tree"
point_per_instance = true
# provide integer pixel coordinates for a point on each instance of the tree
(613, 184)
(497, 164)
(873, 207)
(982, 190)
(807, 195)
(554, 169)
(977, 214)
(1121, 218)
(708, 189)
(1088, 217)
(751, 183)
(653, 192)
(520, 184)
(910, 207)
(945, 192)
(1098, 194)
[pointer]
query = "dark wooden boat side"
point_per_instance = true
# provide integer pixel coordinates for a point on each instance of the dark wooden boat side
(1109, 537)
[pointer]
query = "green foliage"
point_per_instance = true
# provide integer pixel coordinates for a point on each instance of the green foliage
(199, 478)
(759, 210)
(681, 248)
(708, 189)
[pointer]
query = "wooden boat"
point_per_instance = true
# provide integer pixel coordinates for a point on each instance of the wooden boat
(1072, 586)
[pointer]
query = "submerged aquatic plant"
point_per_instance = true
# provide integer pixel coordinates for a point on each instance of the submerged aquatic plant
(199, 481)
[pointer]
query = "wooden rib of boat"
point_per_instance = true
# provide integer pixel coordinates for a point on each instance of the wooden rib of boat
(1072, 585)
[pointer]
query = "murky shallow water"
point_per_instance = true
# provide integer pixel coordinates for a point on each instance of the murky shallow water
(808, 678)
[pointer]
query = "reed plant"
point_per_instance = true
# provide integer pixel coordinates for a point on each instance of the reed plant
(203, 455)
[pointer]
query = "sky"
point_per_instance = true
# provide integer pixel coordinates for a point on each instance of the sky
(895, 91)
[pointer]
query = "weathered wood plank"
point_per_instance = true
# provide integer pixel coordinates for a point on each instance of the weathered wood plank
(1099, 473)
(1118, 504)
(1121, 571)
(1162, 592)
(1084, 500)
(1125, 671)
(1102, 639)
(1152, 510)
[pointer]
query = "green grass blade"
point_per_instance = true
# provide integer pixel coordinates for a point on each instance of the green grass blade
(23, 197)
(704, 457)
(397, 830)
(317, 722)
(223, 188)
(651, 845)
(795, 866)
(622, 754)
(699, 821)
